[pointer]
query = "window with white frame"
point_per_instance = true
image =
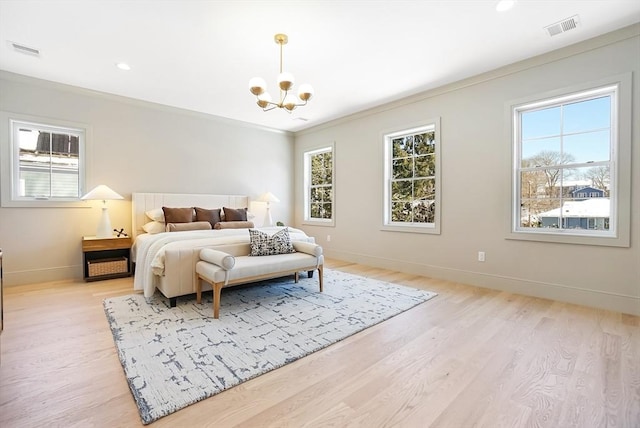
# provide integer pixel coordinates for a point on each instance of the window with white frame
(562, 144)
(412, 179)
(319, 190)
(46, 162)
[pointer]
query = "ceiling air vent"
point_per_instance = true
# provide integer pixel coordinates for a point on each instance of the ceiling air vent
(562, 26)
(24, 49)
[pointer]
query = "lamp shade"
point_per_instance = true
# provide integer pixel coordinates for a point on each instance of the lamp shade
(101, 193)
(268, 197)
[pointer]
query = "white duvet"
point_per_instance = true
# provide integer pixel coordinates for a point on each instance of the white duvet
(149, 250)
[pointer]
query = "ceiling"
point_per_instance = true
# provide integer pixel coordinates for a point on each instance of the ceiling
(200, 55)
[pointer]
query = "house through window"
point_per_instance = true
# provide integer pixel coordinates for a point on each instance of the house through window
(564, 166)
(47, 162)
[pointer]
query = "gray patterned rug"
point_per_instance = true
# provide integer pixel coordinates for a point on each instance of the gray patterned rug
(174, 357)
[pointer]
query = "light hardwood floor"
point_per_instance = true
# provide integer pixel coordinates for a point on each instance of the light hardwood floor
(469, 357)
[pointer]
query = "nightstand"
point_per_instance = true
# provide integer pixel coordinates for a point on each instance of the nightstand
(106, 258)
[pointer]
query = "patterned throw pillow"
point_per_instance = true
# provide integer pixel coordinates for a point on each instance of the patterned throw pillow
(264, 245)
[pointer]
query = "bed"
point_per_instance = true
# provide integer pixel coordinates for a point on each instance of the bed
(166, 261)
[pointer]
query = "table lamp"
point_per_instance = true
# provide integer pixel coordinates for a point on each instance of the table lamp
(104, 194)
(268, 198)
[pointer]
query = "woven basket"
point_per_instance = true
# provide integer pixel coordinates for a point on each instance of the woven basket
(108, 266)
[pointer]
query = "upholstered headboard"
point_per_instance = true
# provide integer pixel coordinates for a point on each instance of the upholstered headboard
(142, 202)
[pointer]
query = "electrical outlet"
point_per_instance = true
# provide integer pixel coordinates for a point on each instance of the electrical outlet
(328, 238)
(480, 256)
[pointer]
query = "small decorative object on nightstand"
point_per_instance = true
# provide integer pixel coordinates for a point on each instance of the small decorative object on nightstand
(106, 258)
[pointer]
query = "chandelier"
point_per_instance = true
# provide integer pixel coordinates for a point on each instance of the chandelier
(287, 100)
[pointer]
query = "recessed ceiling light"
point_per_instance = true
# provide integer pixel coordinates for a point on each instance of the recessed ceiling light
(504, 5)
(123, 66)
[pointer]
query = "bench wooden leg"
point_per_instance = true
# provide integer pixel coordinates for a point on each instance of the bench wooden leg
(320, 276)
(296, 277)
(217, 288)
(198, 289)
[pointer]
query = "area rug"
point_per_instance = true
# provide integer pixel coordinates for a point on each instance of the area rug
(174, 357)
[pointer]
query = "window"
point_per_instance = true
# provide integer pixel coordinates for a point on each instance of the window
(564, 143)
(46, 164)
(318, 173)
(412, 179)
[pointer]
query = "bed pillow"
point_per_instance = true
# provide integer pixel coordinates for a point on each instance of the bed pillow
(212, 216)
(177, 215)
(235, 214)
(194, 225)
(155, 215)
(234, 225)
(154, 227)
(263, 244)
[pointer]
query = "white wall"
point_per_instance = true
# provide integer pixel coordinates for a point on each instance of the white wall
(136, 147)
(476, 173)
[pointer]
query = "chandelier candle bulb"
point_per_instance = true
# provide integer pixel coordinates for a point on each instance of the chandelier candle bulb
(305, 92)
(285, 81)
(257, 86)
(290, 102)
(264, 99)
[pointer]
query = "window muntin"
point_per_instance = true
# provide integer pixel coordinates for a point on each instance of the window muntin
(319, 192)
(47, 162)
(562, 145)
(412, 179)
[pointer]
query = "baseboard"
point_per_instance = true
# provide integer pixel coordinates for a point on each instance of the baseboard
(35, 276)
(564, 293)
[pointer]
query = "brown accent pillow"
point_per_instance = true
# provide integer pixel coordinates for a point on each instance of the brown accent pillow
(212, 216)
(194, 225)
(235, 214)
(177, 215)
(234, 225)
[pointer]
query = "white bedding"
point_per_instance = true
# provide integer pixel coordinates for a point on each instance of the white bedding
(149, 250)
